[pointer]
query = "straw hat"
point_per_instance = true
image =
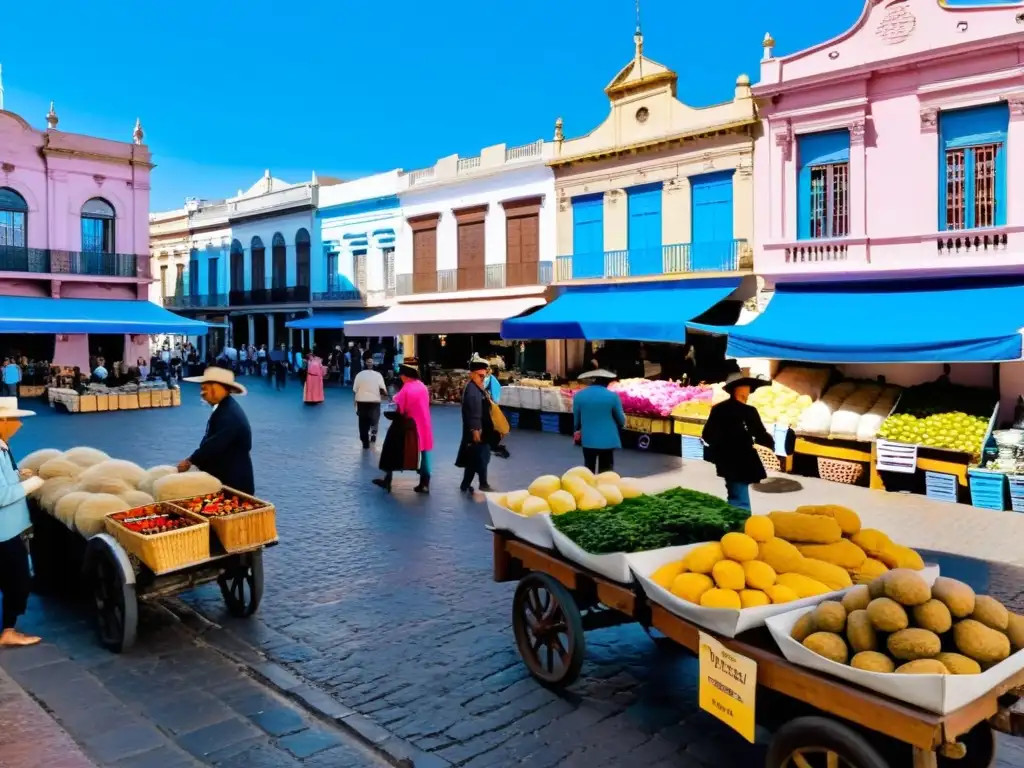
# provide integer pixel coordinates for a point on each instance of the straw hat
(739, 380)
(9, 409)
(600, 373)
(216, 375)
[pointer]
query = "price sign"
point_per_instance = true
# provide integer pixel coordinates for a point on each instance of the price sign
(728, 685)
(895, 457)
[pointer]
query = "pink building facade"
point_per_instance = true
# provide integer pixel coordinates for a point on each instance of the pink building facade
(73, 223)
(895, 149)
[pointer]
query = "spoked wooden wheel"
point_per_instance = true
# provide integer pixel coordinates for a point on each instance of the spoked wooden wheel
(242, 586)
(817, 742)
(548, 629)
(117, 610)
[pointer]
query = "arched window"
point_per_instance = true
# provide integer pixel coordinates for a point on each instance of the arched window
(237, 267)
(97, 226)
(302, 258)
(279, 261)
(259, 266)
(13, 219)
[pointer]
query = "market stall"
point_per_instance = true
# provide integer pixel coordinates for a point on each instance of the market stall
(96, 398)
(912, 668)
(125, 534)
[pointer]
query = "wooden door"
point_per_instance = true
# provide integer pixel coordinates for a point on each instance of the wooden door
(514, 251)
(471, 256)
(424, 261)
(523, 241)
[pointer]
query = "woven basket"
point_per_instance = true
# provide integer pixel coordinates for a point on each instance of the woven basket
(839, 471)
(769, 459)
(164, 552)
(244, 530)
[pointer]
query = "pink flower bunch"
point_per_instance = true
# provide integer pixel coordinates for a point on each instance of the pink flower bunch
(656, 398)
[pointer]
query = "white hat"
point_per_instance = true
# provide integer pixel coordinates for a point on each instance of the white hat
(217, 375)
(9, 409)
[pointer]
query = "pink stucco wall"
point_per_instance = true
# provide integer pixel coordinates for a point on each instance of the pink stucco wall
(885, 81)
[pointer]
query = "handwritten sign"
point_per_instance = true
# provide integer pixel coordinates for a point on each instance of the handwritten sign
(728, 685)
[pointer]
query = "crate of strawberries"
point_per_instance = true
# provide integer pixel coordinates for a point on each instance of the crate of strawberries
(240, 521)
(162, 536)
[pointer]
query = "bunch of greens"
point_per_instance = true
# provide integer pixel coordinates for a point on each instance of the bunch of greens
(668, 519)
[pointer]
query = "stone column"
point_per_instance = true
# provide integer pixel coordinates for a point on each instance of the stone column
(1015, 162)
(251, 319)
(858, 180)
(312, 341)
(270, 330)
(781, 186)
(928, 184)
(291, 338)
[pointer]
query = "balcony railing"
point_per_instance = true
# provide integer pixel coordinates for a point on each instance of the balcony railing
(338, 294)
(533, 149)
(680, 258)
(504, 276)
(289, 197)
(467, 164)
(46, 261)
(447, 280)
(403, 284)
(295, 294)
(421, 176)
(200, 301)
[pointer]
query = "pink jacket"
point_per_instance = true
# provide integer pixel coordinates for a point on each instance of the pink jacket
(413, 400)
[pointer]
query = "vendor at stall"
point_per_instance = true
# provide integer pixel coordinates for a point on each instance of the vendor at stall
(15, 576)
(224, 451)
(731, 430)
(597, 418)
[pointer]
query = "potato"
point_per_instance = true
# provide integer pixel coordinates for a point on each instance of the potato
(906, 587)
(887, 615)
(860, 632)
(856, 599)
(873, 661)
(956, 595)
(991, 613)
(922, 667)
(983, 644)
(829, 645)
(911, 644)
(830, 616)
(804, 627)
(933, 615)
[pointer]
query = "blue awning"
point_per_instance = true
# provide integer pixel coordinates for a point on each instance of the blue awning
(656, 311)
(894, 321)
(335, 320)
(24, 314)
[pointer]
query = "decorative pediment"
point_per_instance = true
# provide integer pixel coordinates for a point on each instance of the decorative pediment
(641, 73)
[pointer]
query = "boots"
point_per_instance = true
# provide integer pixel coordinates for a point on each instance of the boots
(383, 482)
(424, 486)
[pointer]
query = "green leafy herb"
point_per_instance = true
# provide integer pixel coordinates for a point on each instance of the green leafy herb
(668, 519)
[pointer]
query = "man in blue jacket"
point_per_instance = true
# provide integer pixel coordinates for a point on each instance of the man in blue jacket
(597, 417)
(224, 451)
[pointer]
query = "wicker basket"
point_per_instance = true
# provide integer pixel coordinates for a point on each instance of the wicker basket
(164, 552)
(839, 471)
(243, 530)
(768, 459)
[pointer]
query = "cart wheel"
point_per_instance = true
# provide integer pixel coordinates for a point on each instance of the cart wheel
(117, 609)
(548, 629)
(643, 442)
(981, 749)
(242, 586)
(809, 742)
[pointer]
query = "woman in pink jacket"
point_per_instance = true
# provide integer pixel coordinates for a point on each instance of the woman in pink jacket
(413, 402)
(313, 391)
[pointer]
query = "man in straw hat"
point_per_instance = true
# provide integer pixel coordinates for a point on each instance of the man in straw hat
(597, 418)
(15, 485)
(477, 429)
(731, 430)
(224, 451)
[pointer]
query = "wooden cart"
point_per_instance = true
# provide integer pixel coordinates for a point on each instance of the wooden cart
(556, 602)
(116, 582)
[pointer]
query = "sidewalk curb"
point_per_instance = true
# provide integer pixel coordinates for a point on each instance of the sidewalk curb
(397, 751)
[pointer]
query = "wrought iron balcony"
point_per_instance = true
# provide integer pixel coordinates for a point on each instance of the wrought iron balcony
(510, 275)
(680, 258)
(200, 301)
(47, 261)
(403, 284)
(447, 280)
(295, 294)
(337, 294)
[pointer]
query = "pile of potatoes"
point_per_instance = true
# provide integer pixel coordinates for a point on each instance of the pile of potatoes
(898, 624)
(83, 485)
(579, 488)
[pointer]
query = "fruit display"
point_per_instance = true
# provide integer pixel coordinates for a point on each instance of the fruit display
(792, 392)
(643, 397)
(646, 522)
(700, 407)
(152, 519)
(578, 489)
(849, 410)
(941, 415)
(898, 624)
(218, 504)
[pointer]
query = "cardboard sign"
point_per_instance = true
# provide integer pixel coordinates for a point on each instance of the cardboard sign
(728, 686)
(895, 457)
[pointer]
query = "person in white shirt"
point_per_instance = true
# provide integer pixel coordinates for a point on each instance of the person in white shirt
(369, 390)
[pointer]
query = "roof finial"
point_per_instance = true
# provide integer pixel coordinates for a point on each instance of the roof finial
(315, 179)
(559, 134)
(51, 118)
(638, 36)
(768, 44)
(137, 134)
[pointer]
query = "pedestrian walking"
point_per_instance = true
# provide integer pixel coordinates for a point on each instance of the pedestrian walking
(15, 575)
(347, 366)
(732, 429)
(368, 391)
(279, 359)
(313, 389)
(412, 402)
(597, 418)
(12, 377)
(477, 430)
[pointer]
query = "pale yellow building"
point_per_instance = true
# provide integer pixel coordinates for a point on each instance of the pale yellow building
(659, 188)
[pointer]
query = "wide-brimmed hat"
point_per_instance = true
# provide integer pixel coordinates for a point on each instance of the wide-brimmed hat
(409, 370)
(216, 375)
(9, 409)
(600, 373)
(478, 364)
(740, 380)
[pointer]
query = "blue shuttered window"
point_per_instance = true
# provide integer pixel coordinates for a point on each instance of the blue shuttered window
(588, 236)
(644, 234)
(823, 185)
(711, 201)
(972, 167)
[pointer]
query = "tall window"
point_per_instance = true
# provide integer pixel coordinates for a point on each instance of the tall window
(193, 273)
(163, 281)
(237, 266)
(332, 271)
(302, 258)
(97, 226)
(13, 213)
(179, 280)
(973, 167)
(279, 261)
(259, 264)
(389, 271)
(212, 282)
(359, 269)
(823, 200)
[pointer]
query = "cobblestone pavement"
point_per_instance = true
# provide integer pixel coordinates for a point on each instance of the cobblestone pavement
(387, 604)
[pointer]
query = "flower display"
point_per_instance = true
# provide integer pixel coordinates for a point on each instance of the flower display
(657, 398)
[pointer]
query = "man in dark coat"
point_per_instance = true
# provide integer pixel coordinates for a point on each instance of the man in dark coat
(731, 430)
(477, 429)
(224, 451)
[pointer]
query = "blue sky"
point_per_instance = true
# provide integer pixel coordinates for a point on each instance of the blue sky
(226, 89)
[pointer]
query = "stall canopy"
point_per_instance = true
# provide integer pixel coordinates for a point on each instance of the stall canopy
(23, 314)
(476, 316)
(893, 321)
(331, 320)
(655, 312)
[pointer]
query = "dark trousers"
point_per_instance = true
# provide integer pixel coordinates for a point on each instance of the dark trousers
(281, 376)
(599, 459)
(478, 456)
(369, 420)
(15, 579)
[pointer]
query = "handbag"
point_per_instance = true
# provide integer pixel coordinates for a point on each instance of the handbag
(498, 420)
